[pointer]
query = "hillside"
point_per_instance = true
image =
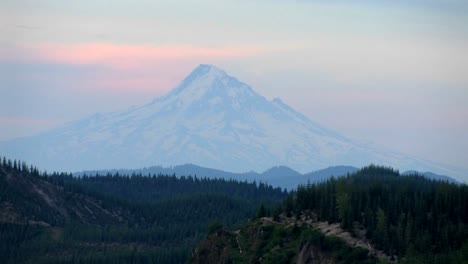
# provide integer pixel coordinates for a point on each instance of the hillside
(285, 240)
(377, 214)
(57, 218)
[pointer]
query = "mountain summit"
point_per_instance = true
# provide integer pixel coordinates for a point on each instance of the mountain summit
(208, 86)
(210, 119)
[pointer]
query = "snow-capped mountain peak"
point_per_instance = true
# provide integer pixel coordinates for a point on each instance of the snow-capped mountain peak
(208, 85)
(207, 70)
(207, 78)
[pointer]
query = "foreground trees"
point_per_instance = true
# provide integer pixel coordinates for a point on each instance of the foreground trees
(411, 217)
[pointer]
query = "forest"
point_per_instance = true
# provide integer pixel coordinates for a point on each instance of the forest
(392, 218)
(413, 219)
(58, 218)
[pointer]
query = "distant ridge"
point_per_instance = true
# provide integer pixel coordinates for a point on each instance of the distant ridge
(432, 176)
(279, 176)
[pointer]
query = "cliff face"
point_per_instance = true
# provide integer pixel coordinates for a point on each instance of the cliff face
(284, 241)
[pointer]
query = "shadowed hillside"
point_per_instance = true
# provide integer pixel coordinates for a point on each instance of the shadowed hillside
(57, 218)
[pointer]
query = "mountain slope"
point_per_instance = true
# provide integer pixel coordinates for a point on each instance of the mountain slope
(26, 198)
(283, 241)
(211, 119)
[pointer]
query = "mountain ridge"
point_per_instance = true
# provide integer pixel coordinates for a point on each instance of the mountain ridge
(278, 176)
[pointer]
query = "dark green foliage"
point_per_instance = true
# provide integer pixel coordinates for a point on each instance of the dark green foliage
(116, 218)
(276, 243)
(261, 212)
(214, 227)
(407, 216)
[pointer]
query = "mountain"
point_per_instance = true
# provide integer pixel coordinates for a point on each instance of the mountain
(210, 119)
(432, 176)
(280, 171)
(325, 174)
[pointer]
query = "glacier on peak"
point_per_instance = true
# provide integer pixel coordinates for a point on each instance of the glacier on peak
(210, 85)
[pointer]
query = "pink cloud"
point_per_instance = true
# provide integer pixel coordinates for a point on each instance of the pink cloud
(156, 77)
(125, 67)
(120, 56)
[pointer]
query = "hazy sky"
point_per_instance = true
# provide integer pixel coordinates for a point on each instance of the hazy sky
(389, 72)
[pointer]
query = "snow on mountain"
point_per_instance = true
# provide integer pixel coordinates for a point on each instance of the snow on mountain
(211, 119)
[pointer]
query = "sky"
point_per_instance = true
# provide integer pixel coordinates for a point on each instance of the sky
(391, 73)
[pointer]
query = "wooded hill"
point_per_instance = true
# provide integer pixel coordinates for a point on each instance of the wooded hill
(409, 217)
(57, 218)
(394, 218)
